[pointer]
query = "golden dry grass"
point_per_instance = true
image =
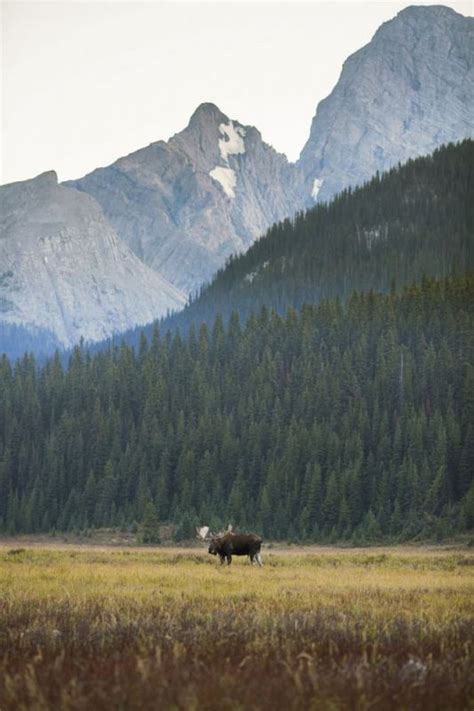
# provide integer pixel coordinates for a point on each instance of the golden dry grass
(326, 629)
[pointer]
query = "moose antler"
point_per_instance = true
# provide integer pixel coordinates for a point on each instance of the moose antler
(202, 533)
(229, 529)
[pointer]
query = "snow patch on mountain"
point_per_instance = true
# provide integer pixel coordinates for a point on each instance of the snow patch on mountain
(317, 185)
(226, 177)
(232, 142)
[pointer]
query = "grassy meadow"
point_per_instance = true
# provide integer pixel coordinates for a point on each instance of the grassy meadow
(84, 628)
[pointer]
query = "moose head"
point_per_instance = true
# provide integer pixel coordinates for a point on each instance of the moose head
(204, 533)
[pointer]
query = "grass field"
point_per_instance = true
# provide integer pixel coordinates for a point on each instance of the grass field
(314, 629)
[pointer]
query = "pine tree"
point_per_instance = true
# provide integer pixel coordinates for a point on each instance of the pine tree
(150, 525)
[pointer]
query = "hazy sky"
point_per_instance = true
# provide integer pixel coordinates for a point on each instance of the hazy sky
(86, 82)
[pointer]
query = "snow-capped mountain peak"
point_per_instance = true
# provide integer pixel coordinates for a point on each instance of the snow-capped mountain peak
(184, 205)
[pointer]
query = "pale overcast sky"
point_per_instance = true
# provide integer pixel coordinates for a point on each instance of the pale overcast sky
(86, 82)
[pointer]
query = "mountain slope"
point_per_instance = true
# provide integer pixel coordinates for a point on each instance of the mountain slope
(63, 270)
(413, 221)
(185, 205)
(408, 91)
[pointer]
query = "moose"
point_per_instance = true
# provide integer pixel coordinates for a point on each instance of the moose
(226, 544)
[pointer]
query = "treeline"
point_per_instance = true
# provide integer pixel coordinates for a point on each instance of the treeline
(344, 421)
(16, 340)
(416, 220)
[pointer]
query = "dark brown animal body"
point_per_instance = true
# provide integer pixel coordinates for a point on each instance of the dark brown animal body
(230, 544)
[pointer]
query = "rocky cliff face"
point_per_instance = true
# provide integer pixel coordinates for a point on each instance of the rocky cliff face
(408, 91)
(63, 269)
(185, 205)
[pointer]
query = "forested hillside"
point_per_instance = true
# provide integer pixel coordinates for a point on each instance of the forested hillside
(346, 420)
(416, 220)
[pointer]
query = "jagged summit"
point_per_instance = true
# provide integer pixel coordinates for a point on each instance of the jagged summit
(207, 111)
(185, 205)
(48, 177)
(415, 20)
(402, 95)
(426, 11)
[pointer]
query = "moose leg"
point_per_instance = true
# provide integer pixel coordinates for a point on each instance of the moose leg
(222, 558)
(253, 556)
(259, 559)
(229, 559)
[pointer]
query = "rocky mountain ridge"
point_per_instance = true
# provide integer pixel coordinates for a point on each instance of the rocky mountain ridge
(64, 270)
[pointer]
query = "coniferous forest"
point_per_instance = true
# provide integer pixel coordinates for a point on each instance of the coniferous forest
(344, 420)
